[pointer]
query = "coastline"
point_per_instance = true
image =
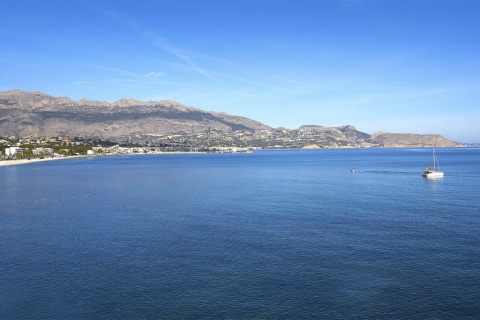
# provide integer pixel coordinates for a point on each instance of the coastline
(4, 163)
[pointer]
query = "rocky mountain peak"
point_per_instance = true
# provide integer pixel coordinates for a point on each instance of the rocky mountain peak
(25, 114)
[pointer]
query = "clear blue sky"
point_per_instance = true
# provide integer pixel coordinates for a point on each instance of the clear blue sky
(410, 66)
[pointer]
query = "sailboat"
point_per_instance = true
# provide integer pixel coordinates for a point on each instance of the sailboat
(433, 171)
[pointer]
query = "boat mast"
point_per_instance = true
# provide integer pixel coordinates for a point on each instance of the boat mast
(436, 165)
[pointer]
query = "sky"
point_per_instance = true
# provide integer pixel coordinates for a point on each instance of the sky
(400, 66)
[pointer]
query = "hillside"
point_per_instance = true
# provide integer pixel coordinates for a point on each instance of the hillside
(34, 113)
(410, 140)
(26, 114)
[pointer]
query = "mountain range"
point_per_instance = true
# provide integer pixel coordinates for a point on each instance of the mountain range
(24, 114)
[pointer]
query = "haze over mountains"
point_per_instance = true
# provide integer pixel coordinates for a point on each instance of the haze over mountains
(24, 114)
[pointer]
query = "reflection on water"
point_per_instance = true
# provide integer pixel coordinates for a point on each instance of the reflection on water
(434, 184)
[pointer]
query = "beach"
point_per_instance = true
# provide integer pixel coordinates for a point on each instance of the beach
(26, 161)
(32, 160)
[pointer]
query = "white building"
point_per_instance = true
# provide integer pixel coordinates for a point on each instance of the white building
(11, 151)
(44, 151)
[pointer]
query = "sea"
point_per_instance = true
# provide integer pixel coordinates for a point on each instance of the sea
(277, 234)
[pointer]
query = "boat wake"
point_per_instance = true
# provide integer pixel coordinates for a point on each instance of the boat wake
(385, 172)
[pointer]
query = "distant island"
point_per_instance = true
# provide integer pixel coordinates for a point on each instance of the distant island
(36, 116)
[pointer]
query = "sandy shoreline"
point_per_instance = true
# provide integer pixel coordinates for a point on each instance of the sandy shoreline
(33, 160)
(26, 161)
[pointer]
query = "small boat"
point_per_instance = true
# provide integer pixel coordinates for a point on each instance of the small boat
(433, 171)
(353, 170)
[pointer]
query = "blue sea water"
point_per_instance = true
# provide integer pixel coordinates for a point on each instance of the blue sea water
(269, 235)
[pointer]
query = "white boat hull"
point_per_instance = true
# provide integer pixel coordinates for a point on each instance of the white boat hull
(432, 174)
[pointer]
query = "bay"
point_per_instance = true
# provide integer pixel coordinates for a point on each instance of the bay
(269, 235)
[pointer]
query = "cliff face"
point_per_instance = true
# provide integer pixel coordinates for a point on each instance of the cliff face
(34, 113)
(24, 114)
